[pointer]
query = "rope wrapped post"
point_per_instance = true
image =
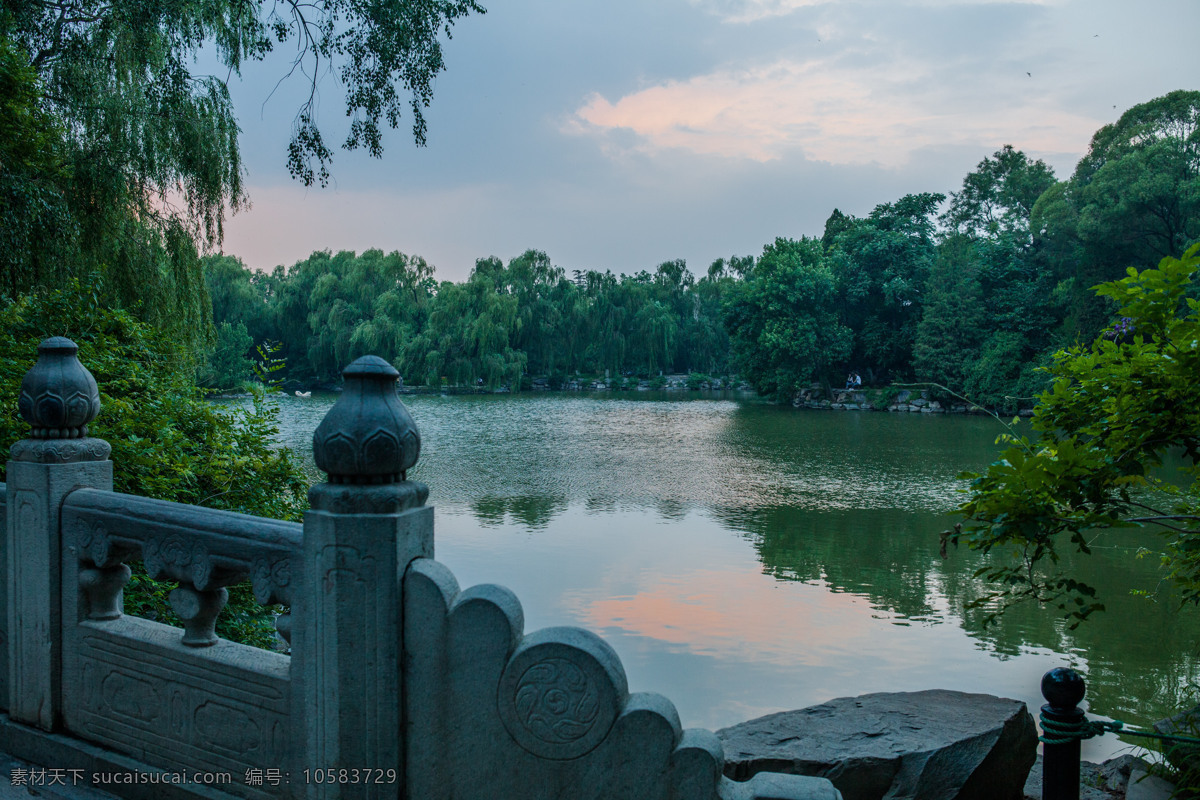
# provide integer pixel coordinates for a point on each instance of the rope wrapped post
(1063, 689)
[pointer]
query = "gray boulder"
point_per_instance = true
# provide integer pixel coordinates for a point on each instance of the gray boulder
(1144, 785)
(931, 745)
(1183, 756)
(1096, 781)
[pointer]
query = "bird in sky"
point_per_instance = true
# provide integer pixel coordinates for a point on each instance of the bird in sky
(1029, 74)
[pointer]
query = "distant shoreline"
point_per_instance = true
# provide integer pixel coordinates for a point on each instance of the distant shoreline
(886, 398)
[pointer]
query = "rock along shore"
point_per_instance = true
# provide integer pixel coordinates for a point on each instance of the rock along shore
(886, 399)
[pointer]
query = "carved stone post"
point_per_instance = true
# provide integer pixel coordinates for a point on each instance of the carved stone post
(58, 398)
(366, 525)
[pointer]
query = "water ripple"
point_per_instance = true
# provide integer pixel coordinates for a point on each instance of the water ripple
(673, 455)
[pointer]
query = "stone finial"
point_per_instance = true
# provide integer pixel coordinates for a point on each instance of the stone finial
(368, 437)
(58, 396)
(1063, 688)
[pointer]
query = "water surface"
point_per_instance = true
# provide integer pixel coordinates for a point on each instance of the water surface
(744, 558)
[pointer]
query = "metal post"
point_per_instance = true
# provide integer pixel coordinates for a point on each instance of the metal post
(1063, 688)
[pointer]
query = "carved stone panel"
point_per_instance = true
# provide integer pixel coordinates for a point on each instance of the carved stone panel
(4, 598)
(131, 686)
(29, 620)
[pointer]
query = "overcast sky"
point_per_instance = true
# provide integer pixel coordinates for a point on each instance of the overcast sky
(618, 134)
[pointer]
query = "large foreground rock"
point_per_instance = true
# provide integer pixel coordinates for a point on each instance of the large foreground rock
(932, 745)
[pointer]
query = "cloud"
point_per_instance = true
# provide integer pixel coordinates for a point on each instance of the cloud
(753, 10)
(745, 11)
(874, 113)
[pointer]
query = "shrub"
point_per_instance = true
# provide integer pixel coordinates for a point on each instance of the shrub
(167, 442)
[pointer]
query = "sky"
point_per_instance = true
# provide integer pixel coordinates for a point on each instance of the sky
(619, 134)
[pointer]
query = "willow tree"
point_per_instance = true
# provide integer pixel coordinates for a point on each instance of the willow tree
(146, 159)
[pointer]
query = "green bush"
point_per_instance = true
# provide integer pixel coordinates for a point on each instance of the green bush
(881, 398)
(227, 365)
(167, 442)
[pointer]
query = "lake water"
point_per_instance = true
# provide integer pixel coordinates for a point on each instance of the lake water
(744, 558)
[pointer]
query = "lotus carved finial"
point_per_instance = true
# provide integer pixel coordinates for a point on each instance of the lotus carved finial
(58, 395)
(368, 437)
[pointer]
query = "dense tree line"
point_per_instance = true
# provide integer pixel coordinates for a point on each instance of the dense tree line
(973, 292)
(978, 298)
(504, 322)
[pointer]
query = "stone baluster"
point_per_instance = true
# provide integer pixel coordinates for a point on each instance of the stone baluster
(367, 523)
(102, 586)
(198, 610)
(58, 399)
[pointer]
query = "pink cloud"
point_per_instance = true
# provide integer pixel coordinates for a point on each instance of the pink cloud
(878, 114)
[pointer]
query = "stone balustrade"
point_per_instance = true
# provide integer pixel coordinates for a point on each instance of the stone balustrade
(398, 683)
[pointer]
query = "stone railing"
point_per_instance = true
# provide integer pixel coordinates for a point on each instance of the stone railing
(398, 684)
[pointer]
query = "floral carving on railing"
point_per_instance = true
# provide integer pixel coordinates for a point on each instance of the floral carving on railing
(205, 550)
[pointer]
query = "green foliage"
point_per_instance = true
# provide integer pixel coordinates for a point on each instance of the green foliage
(880, 399)
(504, 322)
(837, 224)
(120, 73)
(1118, 410)
(226, 366)
(74, 207)
(881, 265)
(330, 309)
(267, 364)
(994, 303)
(470, 332)
(239, 296)
(167, 442)
(999, 196)
(782, 321)
(117, 159)
(1133, 199)
(955, 318)
(37, 239)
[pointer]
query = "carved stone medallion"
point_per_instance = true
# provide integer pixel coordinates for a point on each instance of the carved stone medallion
(559, 700)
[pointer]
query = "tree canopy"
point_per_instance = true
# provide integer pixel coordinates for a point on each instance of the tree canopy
(504, 322)
(782, 319)
(1117, 444)
(122, 161)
